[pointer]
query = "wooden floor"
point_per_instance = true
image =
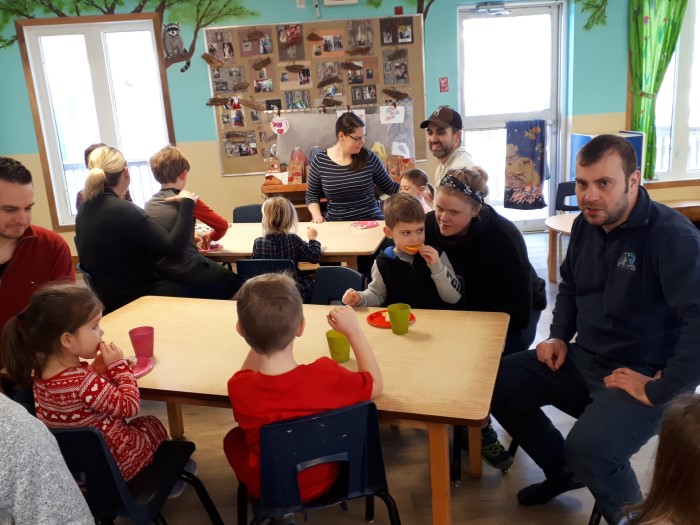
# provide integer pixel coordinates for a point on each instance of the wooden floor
(488, 501)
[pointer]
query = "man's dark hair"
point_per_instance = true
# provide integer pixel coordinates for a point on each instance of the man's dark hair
(14, 171)
(601, 145)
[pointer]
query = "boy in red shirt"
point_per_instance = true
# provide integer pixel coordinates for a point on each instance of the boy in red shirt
(271, 386)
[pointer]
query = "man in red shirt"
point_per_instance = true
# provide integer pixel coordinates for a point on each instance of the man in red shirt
(30, 256)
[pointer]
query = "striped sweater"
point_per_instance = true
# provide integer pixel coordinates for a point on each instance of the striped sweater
(79, 397)
(350, 194)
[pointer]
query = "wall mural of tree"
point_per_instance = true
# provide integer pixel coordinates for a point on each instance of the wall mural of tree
(194, 14)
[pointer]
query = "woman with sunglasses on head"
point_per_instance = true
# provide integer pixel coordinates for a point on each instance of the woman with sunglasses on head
(346, 174)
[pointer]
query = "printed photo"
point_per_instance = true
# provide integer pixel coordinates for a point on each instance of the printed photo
(220, 44)
(225, 118)
(252, 48)
(333, 44)
(396, 30)
(297, 99)
(369, 95)
(405, 34)
(318, 50)
(356, 76)
(360, 34)
(357, 97)
(284, 76)
(262, 86)
(395, 71)
(401, 72)
(305, 77)
(265, 45)
(369, 74)
(290, 42)
(239, 119)
(273, 104)
(254, 115)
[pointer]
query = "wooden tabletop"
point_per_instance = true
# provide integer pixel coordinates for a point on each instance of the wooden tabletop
(561, 223)
(442, 370)
(339, 241)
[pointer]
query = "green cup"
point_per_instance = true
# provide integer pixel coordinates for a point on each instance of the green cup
(399, 316)
(339, 346)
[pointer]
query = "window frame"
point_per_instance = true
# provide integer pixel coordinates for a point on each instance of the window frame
(99, 20)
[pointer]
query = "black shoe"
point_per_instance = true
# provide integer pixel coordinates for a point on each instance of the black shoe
(492, 451)
(541, 493)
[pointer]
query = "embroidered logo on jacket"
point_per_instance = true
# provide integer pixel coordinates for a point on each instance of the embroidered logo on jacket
(627, 261)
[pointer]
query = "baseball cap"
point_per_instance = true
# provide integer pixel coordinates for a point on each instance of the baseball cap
(444, 116)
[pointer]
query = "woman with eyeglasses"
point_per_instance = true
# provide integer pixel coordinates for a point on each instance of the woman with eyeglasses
(346, 174)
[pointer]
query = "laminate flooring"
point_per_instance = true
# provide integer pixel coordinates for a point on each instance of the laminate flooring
(490, 500)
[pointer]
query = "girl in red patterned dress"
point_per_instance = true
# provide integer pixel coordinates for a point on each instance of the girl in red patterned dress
(46, 342)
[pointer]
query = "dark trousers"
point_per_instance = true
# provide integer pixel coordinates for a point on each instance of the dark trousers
(611, 426)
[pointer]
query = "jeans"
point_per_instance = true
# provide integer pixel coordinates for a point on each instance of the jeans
(611, 426)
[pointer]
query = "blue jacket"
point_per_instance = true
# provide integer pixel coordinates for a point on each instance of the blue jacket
(633, 295)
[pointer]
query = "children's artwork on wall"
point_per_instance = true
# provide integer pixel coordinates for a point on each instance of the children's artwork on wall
(396, 31)
(396, 70)
(361, 35)
(297, 99)
(290, 42)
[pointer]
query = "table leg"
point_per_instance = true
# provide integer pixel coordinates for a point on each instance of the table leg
(475, 463)
(175, 422)
(552, 256)
(352, 263)
(440, 473)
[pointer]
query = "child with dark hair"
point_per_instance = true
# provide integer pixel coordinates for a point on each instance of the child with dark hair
(47, 342)
(271, 386)
(411, 271)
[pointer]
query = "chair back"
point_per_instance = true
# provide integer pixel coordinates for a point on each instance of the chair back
(91, 462)
(564, 190)
(87, 278)
(248, 213)
(348, 435)
(331, 282)
(247, 268)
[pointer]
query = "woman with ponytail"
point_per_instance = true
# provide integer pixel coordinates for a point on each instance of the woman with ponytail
(118, 244)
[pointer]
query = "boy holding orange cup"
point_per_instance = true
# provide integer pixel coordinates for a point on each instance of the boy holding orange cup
(410, 272)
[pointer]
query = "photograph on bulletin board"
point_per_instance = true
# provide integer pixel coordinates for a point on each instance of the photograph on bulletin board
(220, 45)
(290, 42)
(332, 45)
(360, 70)
(297, 99)
(256, 41)
(395, 67)
(396, 31)
(361, 36)
(330, 81)
(299, 77)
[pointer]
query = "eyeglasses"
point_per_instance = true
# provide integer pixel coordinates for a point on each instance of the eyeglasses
(357, 139)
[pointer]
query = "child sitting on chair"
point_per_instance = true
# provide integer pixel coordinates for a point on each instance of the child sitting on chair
(410, 272)
(415, 182)
(279, 223)
(47, 343)
(271, 386)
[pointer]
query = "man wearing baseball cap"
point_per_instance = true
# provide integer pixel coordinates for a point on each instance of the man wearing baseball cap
(444, 129)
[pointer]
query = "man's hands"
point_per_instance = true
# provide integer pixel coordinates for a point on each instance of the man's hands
(631, 382)
(552, 352)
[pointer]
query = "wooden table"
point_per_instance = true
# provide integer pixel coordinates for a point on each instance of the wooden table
(441, 373)
(557, 224)
(339, 242)
(689, 208)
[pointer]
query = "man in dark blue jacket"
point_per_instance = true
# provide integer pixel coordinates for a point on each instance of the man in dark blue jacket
(630, 297)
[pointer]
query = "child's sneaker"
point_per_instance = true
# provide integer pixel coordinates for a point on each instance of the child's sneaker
(492, 452)
(179, 486)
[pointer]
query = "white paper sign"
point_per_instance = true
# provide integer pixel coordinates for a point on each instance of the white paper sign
(391, 114)
(279, 125)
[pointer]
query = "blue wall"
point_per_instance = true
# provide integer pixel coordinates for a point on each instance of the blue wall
(597, 61)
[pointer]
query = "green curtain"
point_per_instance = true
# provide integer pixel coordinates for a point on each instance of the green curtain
(654, 26)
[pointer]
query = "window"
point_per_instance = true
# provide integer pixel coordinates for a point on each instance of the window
(95, 82)
(504, 85)
(678, 107)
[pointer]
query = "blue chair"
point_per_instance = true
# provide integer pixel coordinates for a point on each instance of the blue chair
(140, 500)
(248, 213)
(247, 268)
(331, 282)
(349, 436)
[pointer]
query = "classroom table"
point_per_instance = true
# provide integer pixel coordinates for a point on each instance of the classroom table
(339, 241)
(441, 373)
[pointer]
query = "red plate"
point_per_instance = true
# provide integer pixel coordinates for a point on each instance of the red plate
(143, 366)
(363, 225)
(377, 319)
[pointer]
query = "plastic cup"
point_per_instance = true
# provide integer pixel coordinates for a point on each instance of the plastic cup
(339, 346)
(142, 340)
(399, 316)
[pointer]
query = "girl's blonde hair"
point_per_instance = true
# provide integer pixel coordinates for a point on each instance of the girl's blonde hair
(106, 165)
(279, 216)
(31, 336)
(474, 178)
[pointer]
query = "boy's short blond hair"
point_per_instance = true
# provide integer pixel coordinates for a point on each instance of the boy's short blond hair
(270, 311)
(403, 207)
(168, 164)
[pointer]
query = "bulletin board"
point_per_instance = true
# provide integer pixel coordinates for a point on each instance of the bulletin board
(296, 71)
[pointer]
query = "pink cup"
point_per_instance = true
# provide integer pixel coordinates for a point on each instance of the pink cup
(142, 340)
